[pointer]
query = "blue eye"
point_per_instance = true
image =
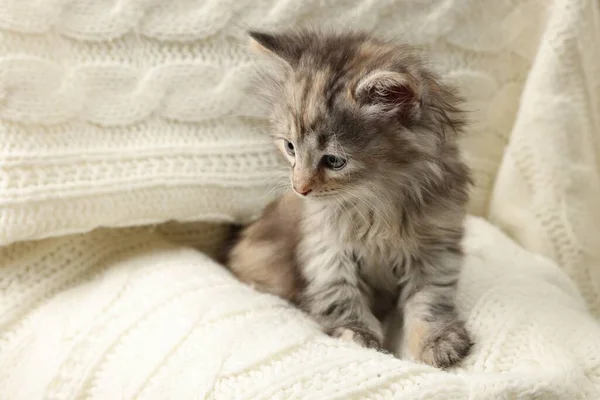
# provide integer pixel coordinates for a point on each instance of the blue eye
(334, 162)
(289, 147)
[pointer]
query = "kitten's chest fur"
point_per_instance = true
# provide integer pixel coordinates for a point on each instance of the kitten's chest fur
(375, 242)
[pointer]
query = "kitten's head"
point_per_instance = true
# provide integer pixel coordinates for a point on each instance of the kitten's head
(353, 114)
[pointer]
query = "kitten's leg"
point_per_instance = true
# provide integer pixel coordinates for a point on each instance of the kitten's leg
(433, 332)
(334, 298)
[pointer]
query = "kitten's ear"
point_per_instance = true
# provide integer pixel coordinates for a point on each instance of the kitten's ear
(287, 47)
(390, 93)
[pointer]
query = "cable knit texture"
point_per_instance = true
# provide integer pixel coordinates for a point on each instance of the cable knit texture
(547, 195)
(119, 113)
(124, 314)
(123, 113)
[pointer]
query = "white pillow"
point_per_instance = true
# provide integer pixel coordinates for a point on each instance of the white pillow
(129, 113)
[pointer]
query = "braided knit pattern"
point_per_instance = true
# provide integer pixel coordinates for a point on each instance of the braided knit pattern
(129, 314)
(121, 113)
(117, 114)
(547, 193)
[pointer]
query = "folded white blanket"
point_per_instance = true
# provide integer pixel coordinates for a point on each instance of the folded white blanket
(547, 192)
(137, 317)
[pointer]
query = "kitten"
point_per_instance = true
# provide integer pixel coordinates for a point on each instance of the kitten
(375, 218)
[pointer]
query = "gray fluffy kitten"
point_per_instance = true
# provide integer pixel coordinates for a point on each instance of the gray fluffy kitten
(375, 218)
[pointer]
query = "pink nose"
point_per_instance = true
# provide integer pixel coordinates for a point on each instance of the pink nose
(303, 191)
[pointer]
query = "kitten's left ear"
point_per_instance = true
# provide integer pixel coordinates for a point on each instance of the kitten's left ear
(390, 93)
(286, 46)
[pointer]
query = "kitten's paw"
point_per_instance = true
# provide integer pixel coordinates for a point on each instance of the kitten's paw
(447, 346)
(358, 335)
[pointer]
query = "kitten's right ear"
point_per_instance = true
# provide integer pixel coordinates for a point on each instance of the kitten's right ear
(285, 46)
(389, 92)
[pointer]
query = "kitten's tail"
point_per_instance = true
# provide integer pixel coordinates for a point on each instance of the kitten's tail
(231, 239)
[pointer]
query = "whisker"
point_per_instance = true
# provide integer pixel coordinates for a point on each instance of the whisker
(375, 211)
(355, 207)
(346, 211)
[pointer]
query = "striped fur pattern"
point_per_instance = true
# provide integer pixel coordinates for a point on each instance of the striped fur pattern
(373, 220)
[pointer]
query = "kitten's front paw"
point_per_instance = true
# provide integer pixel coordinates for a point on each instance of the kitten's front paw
(447, 346)
(358, 335)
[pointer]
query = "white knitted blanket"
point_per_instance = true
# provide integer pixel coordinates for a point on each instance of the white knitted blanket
(124, 113)
(124, 314)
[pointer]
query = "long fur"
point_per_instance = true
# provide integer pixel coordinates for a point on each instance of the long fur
(385, 231)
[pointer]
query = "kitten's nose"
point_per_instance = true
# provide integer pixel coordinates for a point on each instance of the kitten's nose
(303, 191)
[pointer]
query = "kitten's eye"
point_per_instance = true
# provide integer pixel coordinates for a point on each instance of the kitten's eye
(289, 147)
(334, 162)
